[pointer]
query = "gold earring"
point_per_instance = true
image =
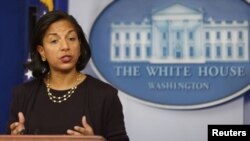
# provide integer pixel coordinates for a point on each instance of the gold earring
(43, 59)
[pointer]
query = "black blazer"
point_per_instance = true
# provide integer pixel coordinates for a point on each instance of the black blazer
(103, 107)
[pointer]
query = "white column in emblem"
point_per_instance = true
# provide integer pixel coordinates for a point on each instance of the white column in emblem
(223, 44)
(186, 41)
(212, 36)
(153, 41)
(132, 45)
(232, 43)
(235, 43)
(171, 35)
(245, 40)
(123, 45)
(200, 46)
(143, 42)
(112, 46)
(156, 46)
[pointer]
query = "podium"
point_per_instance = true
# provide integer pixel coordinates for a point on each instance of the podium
(49, 138)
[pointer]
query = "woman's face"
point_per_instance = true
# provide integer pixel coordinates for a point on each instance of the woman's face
(61, 46)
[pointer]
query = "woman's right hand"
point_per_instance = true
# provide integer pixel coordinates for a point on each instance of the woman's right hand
(17, 128)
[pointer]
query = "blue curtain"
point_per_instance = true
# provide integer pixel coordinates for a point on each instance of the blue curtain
(14, 27)
(13, 33)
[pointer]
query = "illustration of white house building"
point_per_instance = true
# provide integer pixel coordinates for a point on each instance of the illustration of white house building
(179, 34)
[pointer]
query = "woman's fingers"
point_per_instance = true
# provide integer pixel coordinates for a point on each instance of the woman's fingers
(78, 130)
(14, 125)
(18, 127)
(17, 131)
(85, 123)
(87, 128)
(21, 117)
(72, 132)
(14, 132)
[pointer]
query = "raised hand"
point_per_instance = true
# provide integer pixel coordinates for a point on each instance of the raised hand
(18, 128)
(85, 129)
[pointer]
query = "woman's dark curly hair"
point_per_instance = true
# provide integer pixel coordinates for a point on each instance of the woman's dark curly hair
(36, 65)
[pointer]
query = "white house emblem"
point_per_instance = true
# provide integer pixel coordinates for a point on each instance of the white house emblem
(178, 56)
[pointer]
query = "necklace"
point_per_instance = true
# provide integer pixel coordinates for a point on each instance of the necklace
(60, 99)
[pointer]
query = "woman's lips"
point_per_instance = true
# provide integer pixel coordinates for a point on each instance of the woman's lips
(66, 58)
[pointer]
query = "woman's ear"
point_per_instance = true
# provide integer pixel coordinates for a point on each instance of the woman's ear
(40, 49)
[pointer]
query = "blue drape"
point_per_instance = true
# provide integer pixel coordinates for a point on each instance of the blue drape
(14, 27)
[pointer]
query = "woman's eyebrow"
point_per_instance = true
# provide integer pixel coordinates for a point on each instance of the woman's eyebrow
(52, 33)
